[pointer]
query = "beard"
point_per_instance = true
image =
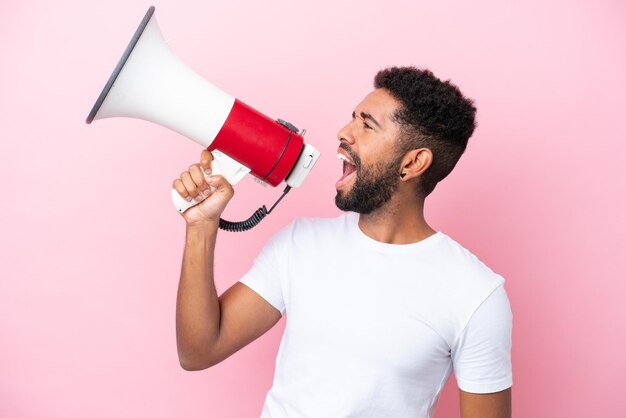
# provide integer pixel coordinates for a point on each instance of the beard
(374, 185)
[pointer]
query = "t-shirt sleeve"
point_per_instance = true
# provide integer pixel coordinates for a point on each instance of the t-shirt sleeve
(267, 274)
(482, 354)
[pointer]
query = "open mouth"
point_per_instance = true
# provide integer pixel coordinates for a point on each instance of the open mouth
(349, 170)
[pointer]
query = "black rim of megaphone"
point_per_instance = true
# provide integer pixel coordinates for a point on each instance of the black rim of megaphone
(120, 64)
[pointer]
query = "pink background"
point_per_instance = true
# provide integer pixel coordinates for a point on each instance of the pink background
(91, 246)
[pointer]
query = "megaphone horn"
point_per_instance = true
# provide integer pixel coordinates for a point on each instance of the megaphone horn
(150, 82)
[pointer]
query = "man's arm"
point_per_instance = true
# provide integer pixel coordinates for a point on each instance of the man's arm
(211, 328)
(486, 405)
(482, 359)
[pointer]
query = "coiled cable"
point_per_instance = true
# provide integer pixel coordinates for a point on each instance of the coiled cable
(253, 220)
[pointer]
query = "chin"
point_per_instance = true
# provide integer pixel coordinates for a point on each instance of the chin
(343, 192)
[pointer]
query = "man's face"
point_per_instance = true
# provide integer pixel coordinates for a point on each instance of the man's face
(371, 163)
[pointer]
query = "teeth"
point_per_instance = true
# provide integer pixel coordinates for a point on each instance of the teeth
(343, 157)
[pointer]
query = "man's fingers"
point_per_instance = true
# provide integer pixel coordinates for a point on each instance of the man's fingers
(180, 188)
(198, 176)
(189, 184)
(205, 160)
(193, 183)
(220, 184)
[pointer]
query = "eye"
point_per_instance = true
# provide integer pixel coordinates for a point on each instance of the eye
(365, 124)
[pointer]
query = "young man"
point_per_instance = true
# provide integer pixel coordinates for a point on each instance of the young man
(381, 307)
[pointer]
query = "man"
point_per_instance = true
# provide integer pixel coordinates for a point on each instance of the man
(381, 307)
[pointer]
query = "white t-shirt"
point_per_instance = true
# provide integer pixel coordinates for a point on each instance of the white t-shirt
(375, 329)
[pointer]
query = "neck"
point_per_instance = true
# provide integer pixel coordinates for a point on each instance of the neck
(399, 221)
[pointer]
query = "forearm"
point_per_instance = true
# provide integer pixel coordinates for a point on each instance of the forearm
(197, 304)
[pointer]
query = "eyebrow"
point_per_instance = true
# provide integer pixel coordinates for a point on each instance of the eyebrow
(368, 117)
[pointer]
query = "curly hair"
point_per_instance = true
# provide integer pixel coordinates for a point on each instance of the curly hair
(434, 115)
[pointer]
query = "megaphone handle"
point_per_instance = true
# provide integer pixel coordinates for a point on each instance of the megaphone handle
(182, 204)
(232, 172)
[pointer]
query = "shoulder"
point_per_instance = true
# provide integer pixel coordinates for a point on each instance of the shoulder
(466, 281)
(466, 267)
(311, 235)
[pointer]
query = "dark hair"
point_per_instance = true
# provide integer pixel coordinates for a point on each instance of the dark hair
(434, 115)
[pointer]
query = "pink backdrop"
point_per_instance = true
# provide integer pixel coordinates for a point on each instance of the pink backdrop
(91, 245)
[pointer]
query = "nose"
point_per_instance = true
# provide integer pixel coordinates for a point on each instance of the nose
(346, 134)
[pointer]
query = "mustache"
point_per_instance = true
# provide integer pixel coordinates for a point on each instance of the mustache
(352, 154)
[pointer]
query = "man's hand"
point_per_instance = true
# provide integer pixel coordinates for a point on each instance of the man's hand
(197, 183)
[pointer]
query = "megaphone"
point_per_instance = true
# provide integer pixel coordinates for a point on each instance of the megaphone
(150, 82)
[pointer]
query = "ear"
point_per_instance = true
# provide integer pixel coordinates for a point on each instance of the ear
(415, 162)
